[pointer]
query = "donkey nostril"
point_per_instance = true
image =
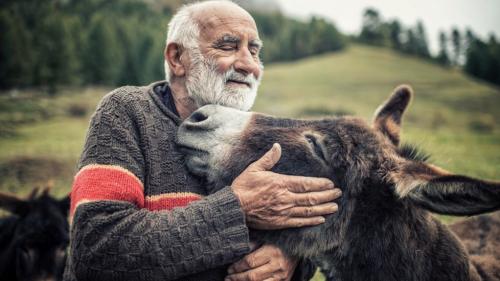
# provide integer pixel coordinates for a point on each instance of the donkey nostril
(198, 117)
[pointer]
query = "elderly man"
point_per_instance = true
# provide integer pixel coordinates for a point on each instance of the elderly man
(137, 214)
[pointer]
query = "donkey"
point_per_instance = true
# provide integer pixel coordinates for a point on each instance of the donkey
(33, 239)
(383, 229)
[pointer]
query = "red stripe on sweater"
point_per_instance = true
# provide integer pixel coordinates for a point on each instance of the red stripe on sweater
(106, 182)
(169, 201)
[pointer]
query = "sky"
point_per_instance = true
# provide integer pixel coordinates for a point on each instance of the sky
(482, 16)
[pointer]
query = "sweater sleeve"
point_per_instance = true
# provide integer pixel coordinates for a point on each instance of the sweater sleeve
(114, 238)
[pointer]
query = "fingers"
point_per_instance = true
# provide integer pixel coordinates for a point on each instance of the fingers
(313, 211)
(315, 198)
(267, 161)
(260, 273)
(254, 259)
(299, 184)
(301, 222)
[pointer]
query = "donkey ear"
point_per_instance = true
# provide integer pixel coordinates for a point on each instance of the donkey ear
(441, 192)
(13, 204)
(64, 204)
(388, 116)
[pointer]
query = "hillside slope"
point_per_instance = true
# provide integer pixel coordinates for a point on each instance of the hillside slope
(452, 117)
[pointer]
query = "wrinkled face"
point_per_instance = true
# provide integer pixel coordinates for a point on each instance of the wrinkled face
(221, 142)
(227, 60)
(230, 88)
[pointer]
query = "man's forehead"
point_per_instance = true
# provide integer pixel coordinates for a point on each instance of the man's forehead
(214, 23)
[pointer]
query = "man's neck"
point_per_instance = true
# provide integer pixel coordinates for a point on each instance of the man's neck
(183, 103)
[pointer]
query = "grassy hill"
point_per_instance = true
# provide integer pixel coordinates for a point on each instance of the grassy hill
(453, 117)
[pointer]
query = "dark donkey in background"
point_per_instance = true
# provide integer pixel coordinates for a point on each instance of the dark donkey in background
(383, 229)
(33, 239)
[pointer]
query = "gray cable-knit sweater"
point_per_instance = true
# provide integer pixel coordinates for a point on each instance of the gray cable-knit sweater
(137, 214)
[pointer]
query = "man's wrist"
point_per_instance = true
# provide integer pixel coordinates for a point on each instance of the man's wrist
(243, 203)
(233, 220)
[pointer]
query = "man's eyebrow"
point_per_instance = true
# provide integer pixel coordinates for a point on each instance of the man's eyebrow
(227, 38)
(256, 43)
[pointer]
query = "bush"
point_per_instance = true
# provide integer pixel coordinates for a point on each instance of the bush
(484, 124)
(77, 110)
(7, 130)
(32, 170)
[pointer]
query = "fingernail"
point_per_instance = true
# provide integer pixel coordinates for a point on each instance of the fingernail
(330, 185)
(338, 192)
(227, 279)
(230, 271)
(321, 220)
(334, 207)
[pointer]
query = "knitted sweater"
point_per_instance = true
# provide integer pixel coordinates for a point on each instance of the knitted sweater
(136, 213)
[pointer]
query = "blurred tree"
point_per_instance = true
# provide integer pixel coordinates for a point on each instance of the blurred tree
(410, 44)
(16, 56)
(483, 59)
(422, 47)
(371, 31)
(443, 57)
(102, 60)
(110, 42)
(324, 36)
(456, 40)
(493, 66)
(395, 34)
(469, 38)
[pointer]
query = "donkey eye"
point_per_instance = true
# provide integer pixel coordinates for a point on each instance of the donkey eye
(313, 142)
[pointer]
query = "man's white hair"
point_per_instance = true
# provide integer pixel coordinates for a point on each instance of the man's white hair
(184, 30)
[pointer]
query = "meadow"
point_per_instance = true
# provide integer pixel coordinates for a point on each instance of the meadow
(452, 117)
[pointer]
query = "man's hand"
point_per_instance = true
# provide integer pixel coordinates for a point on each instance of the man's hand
(275, 201)
(267, 263)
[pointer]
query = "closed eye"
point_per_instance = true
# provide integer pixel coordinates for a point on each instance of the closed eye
(316, 147)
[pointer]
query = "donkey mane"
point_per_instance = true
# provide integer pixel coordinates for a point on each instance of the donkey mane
(412, 152)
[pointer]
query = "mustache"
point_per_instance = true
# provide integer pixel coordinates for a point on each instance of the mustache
(234, 75)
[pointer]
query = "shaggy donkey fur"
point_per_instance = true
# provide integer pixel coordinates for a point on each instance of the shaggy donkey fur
(384, 229)
(33, 239)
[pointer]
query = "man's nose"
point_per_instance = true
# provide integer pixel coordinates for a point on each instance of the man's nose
(246, 63)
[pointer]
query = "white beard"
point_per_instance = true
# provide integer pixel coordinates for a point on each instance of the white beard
(205, 85)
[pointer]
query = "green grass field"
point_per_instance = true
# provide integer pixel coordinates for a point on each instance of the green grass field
(453, 117)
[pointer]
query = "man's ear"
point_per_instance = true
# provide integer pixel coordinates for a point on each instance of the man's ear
(13, 204)
(387, 118)
(441, 192)
(173, 53)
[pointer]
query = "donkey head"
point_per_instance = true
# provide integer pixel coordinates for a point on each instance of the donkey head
(35, 237)
(365, 161)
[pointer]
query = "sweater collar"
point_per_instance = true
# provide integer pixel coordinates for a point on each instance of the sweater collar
(159, 101)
